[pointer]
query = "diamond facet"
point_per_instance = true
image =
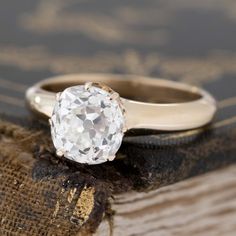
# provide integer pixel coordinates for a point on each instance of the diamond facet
(87, 124)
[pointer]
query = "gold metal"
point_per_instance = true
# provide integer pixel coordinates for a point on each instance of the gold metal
(149, 103)
(88, 85)
(60, 153)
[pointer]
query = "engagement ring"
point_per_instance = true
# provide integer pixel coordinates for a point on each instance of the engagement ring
(89, 113)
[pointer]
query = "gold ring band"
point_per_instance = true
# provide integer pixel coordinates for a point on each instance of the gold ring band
(150, 103)
(88, 118)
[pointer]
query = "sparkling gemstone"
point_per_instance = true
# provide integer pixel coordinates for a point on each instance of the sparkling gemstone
(87, 124)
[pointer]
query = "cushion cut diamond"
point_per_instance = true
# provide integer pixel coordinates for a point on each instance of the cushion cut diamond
(87, 124)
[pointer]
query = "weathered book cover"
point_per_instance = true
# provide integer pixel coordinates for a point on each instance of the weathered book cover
(187, 41)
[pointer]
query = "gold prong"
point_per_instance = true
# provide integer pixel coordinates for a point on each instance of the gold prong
(50, 121)
(115, 95)
(58, 95)
(59, 153)
(111, 158)
(88, 85)
(124, 129)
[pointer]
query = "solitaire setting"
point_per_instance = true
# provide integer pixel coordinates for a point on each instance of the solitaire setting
(88, 123)
(88, 119)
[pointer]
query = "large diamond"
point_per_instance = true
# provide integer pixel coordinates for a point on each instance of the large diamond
(87, 124)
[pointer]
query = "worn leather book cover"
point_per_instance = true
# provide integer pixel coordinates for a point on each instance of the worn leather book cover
(189, 41)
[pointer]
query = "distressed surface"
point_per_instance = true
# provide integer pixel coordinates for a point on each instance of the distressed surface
(190, 41)
(38, 194)
(199, 206)
(62, 198)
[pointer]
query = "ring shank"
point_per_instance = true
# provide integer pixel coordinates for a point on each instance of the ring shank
(141, 90)
(149, 103)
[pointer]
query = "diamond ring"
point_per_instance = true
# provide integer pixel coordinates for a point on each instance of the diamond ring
(89, 113)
